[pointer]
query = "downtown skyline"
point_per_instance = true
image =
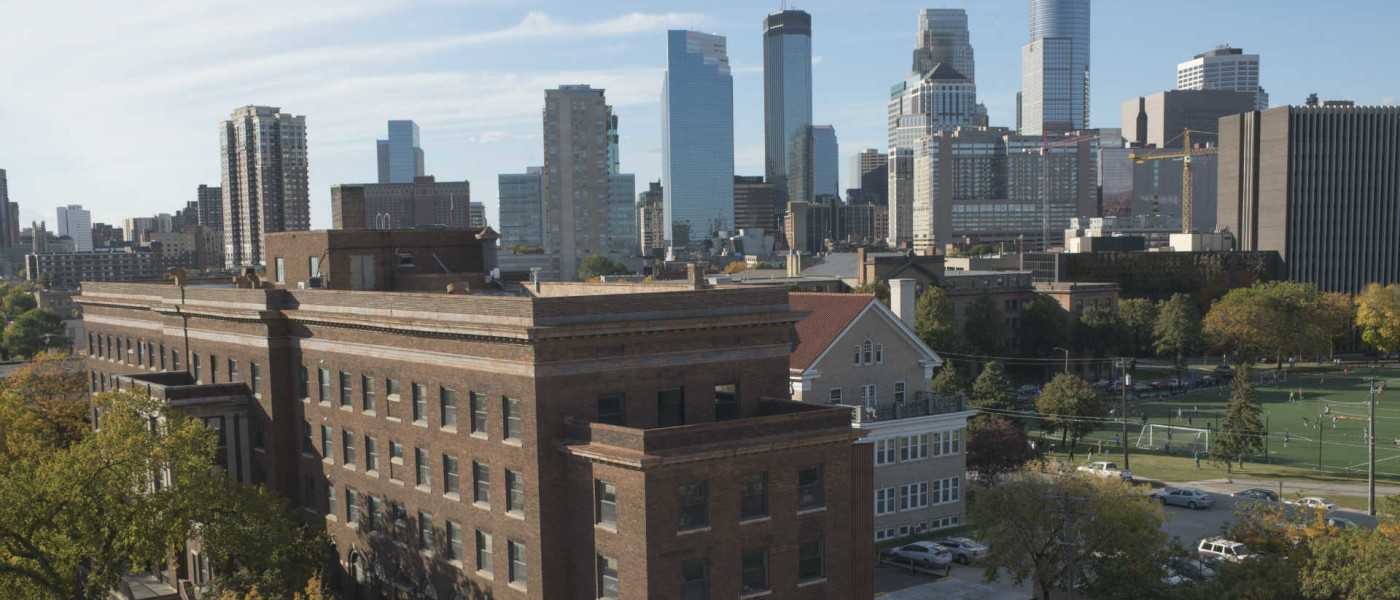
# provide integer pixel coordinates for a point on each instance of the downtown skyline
(476, 90)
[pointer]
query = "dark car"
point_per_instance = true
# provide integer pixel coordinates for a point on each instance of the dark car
(1257, 494)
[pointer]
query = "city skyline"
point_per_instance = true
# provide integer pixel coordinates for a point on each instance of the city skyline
(481, 120)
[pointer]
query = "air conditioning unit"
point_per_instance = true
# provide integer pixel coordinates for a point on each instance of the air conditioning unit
(313, 283)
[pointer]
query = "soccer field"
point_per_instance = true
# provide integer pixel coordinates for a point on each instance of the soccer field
(1339, 444)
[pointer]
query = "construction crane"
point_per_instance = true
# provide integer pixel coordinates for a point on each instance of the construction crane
(1044, 151)
(1186, 155)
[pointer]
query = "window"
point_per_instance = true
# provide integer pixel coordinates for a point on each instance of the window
(899, 391)
(884, 501)
(447, 406)
(213, 369)
(281, 270)
(913, 447)
(481, 483)
(405, 259)
(867, 352)
(371, 454)
(424, 474)
(869, 395)
(809, 559)
(515, 491)
(305, 389)
(605, 502)
(313, 266)
(255, 375)
(330, 499)
(151, 357)
(753, 495)
(879, 354)
(754, 563)
(391, 389)
(216, 424)
(834, 395)
(856, 361)
(198, 369)
(946, 490)
(612, 409)
(327, 443)
(670, 407)
(913, 496)
(232, 370)
(512, 410)
(347, 443)
(454, 541)
(308, 496)
(376, 514)
(352, 506)
(483, 552)
(694, 505)
(607, 577)
(726, 402)
(517, 562)
(420, 403)
(367, 402)
(347, 392)
(425, 532)
(449, 474)
(946, 442)
(884, 451)
(695, 583)
(478, 413)
(810, 492)
(259, 433)
(323, 382)
(308, 446)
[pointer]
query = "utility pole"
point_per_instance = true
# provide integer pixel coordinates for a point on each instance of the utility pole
(1317, 418)
(1371, 452)
(1124, 411)
(1069, 535)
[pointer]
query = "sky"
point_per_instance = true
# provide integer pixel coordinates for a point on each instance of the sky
(116, 105)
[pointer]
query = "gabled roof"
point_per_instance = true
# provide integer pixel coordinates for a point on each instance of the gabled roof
(831, 315)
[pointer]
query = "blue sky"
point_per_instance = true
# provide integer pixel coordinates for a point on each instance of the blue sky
(115, 105)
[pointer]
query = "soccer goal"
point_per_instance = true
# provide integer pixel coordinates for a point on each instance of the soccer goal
(1174, 439)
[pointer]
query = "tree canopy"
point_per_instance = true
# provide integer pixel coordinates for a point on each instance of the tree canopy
(1241, 431)
(1277, 317)
(947, 381)
(1139, 316)
(992, 391)
(33, 331)
(996, 446)
(934, 322)
(1177, 332)
(881, 289)
(984, 333)
(1068, 405)
(1378, 315)
(1042, 327)
(597, 265)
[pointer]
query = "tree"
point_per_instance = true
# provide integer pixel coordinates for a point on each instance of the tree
(17, 302)
(983, 329)
(934, 322)
(1115, 537)
(1354, 563)
(1068, 405)
(1241, 431)
(1378, 315)
(1178, 329)
(947, 381)
(1139, 315)
(996, 446)
(43, 403)
(1043, 327)
(597, 265)
(992, 392)
(253, 542)
(33, 331)
(737, 266)
(881, 289)
(1100, 332)
(314, 591)
(1276, 317)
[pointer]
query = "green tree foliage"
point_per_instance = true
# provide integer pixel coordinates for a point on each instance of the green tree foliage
(254, 543)
(947, 381)
(1139, 315)
(17, 302)
(1378, 315)
(1241, 431)
(991, 391)
(1043, 327)
(933, 320)
(1118, 546)
(984, 333)
(1101, 333)
(1178, 329)
(1068, 405)
(996, 446)
(597, 265)
(33, 331)
(314, 591)
(881, 289)
(1278, 317)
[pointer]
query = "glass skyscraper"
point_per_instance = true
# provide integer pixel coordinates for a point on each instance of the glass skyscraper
(787, 105)
(1055, 68)
(825, 161)
(400, 158)
(697, 137)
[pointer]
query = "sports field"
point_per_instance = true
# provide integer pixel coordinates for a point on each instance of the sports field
(1338, 444)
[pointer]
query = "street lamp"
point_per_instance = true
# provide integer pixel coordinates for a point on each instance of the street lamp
(1066, 357)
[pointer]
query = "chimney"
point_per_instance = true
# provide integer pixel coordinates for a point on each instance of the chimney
(695, 274)
(902, 300)
(860, 266)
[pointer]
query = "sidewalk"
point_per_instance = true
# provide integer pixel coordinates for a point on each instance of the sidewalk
(1306, 488)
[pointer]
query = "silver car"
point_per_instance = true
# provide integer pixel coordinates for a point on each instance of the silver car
(1189, 497)
(964, 550)
(923, 554)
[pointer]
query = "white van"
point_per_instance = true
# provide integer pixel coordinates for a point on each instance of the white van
(1222, 549)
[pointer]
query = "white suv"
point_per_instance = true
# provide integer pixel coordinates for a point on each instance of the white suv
(1222, 549)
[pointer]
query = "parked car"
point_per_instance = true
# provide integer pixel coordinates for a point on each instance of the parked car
(1107, 469)
(1315, 502)
(1341, 522)
(922, 554)
(964, 550)
(1224, 370)
(1178, 383)
(1257, 494)
(1158, 385)
(1216, 549)
(1189, 497)
(1141, 388)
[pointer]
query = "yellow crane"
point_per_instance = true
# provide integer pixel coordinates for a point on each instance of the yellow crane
(1186, 154)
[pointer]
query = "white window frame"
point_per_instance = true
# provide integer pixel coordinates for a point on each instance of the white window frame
(869, 394)
(834, 395)
(899, 391)
(867, 353)
(885, 451)
(857, 360)
(914, 496)
(879, 354)
(885, 501)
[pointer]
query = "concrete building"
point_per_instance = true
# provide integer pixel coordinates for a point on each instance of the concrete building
(477, 218)
(854, 352)
(1226, 69)
(809, 226)
(901, 194)
(578, 204)
(825, 161)
(67, 270)
(787, 105)
(697, 137)
(211, 206)
(1320, 185)
(9, 220)
(1055, 69)
(461, 445)
(76, 223)
(106, 236)
(425, 202)
(265, 187)
(651, 218)
(623, 237)
(1157, 189)
(1157, 275)
(870, 173)
(135, 228)
(400, 156)
(192, 247)
(862, 223)
(1159, 119)
(520, 199)
(754, 203)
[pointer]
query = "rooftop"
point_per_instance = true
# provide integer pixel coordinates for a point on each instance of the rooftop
(830, 315)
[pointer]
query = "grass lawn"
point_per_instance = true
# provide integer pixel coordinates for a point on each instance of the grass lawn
(1183, 468)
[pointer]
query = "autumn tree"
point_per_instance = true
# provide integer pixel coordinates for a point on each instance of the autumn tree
(1177, 333)
(984, 333)
(1241, 432)
(1068, 405)
(737, 266)
(314, 590)
(44, 403)
(254, 542)
(1378, 315)
(1139, 316)
(992, 392)
(1277, 317)
(996, 446)
(934, 322)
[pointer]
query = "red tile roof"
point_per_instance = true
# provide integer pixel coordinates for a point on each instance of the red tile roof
(831, 314)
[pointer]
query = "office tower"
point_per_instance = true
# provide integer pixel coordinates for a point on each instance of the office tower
(1159, 120)
(697, 136)
(651, 218)
(9, 216)
(1116, 181)
(1319, 185)
(76, 223)
(623, 238)
(901, 195)
(400, 157)
(870, 171)
(426, 202)
(944, 39)
(755, 203)
(1055, 68)
(614, 147)
(264, 180)
(520, 197)
(825, 162)
(211, 207)
(578, 204)
(1225, 69)
(135, 228)
(787, 104)
(477, 219)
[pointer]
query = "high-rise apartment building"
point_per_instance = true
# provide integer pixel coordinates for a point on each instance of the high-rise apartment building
(265, 187)
(400, 156)
(1319, 185)
(825, 162)
(211, 207)
(755, 204)
(1158, 120)
(697, 136)
(478, 216)
(787, 104)
(577, 192)
(9, 216)
(520, 200)
(1055, 68)
(135, 228)
(651, 218)
(426, 202)
(76, 223)
(622, 211)
(1224, 69)
(870, 172)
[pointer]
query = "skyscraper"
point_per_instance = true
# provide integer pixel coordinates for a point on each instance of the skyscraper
(521, 215)
(870, 173)
(1226, 69)
(944, 39)
(623, 239)
(478, 215)
(211, 206)
(400, 157)
(825, 162)
(697, 137)
(787, 104)
(577, 200)
(76, 223)
(264, 180)
(9, 216)
(1055, 68)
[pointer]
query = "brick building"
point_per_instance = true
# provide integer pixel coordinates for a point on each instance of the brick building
(560, 441)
